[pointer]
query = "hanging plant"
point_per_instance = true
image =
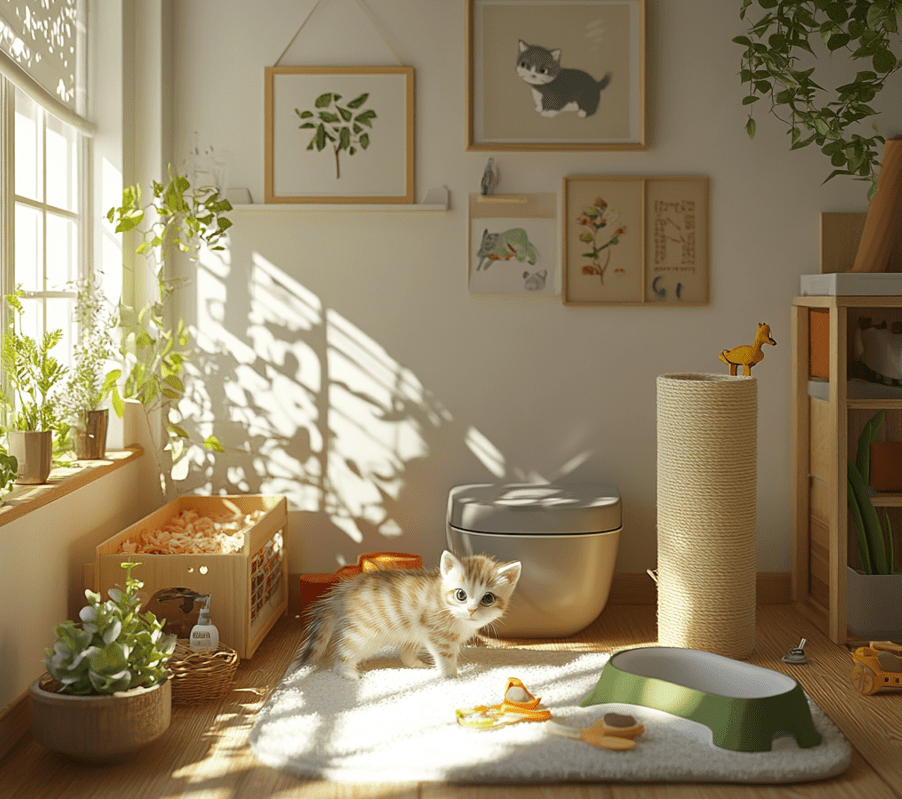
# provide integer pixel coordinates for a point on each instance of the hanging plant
(780, 43)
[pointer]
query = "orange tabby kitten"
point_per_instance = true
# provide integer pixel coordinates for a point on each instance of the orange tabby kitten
(412, 609)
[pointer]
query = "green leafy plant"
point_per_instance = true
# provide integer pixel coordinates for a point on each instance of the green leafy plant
(91, 381)
(9, 468)
(342, 126)
(113, 648)
(33, 372)
(876, 554)
(154, 348)
(778, 46)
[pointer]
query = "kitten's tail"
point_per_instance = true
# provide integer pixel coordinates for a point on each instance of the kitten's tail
(604, 81)
(314, 647)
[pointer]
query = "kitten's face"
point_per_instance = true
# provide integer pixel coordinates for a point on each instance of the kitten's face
(536, 65)
(477, 588)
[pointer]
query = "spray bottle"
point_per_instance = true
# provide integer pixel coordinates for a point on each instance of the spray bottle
(204, 635)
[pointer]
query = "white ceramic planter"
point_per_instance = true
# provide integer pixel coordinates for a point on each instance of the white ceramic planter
(34, 452)
(874, 605)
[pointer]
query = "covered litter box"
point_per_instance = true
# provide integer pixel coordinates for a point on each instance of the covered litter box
(566, 538)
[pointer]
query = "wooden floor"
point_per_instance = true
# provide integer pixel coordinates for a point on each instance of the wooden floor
(204, 754)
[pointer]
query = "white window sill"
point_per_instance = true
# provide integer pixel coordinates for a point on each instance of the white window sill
(64, 480)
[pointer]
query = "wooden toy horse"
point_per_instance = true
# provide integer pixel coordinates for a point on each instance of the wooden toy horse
(748, 355)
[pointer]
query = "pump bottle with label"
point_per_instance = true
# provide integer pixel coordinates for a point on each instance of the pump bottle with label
(204, 635)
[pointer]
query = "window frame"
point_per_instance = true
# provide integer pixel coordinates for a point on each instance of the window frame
(81, 175)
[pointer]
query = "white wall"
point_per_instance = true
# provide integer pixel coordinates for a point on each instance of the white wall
(348, 367)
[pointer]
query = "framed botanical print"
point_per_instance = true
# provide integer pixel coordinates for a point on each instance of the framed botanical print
(635, 240)
(556, 75)
(339, 135)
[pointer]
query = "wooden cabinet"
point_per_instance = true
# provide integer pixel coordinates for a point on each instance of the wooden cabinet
(828, 413)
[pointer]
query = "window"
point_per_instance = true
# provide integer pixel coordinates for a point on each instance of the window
(46, 247)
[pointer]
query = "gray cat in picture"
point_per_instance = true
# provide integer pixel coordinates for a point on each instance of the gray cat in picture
(556, 88)
(513, 243)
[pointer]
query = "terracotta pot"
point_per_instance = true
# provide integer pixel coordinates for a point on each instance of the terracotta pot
(99, 729)
(90, 442)
(34, 452)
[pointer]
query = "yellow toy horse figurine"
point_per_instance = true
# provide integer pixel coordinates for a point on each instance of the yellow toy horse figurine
(748, 355)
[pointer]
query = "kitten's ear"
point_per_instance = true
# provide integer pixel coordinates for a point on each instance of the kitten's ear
(556, 55)
(511, 572)
(523, 46)
(449, 563)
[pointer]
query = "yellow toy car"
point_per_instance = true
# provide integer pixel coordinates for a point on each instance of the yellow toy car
(875, 670)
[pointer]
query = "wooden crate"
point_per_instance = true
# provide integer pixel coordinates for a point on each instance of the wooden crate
(248, 589)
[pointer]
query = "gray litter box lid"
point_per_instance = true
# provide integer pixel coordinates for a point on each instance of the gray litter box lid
(534, 508)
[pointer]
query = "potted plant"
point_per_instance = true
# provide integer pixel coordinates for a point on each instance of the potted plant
(34, 375)
(106, 674)
(9, 467)
(90, 381)
(779, 47)
(156, 342)
(873, 593)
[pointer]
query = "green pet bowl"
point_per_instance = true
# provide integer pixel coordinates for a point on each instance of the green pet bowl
(744, 706)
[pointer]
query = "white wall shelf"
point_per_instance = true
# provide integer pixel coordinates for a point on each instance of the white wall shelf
(436, 199)
(345, 207)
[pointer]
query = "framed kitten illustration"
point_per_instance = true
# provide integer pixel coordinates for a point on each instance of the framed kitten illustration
(635, 240)
(556, 75)
(339, 135)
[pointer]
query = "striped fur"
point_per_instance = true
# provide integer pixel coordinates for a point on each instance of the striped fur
(410, 609)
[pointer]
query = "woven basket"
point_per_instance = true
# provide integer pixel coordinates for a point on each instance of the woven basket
(201, 676)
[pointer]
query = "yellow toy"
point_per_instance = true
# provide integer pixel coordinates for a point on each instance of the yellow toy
(875, 670)
(615, 731)
(518, 705)
(748, 355)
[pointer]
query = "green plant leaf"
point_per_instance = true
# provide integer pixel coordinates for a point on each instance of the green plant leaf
(323, 100)
(359, 100)
(212, 443)
(873, 531)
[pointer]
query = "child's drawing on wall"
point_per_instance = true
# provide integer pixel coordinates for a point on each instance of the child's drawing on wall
(512, 256)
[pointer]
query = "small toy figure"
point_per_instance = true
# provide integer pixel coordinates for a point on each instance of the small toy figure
(490, 178)
(748, 355)
(796, 654)
(875, 670)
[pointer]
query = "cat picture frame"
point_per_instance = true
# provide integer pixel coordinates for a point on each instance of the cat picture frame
(556, 75)
(635, 240)
(339, 135)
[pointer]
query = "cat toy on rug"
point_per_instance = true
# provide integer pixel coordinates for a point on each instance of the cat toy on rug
(412, 609)
(748, 355)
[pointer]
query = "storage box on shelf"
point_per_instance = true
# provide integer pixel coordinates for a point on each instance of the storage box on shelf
(249, 589)
(828, 412)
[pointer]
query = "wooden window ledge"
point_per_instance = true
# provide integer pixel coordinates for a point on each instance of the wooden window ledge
(63, 480)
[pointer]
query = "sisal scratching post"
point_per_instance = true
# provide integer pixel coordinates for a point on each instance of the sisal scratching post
(881, 225)
(707, 498)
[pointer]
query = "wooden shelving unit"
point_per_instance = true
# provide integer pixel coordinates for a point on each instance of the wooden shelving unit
(826, 420)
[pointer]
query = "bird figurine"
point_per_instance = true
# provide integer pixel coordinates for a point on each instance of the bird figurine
(490, 177)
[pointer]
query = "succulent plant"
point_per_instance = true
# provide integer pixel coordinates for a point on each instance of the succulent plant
(113, 647)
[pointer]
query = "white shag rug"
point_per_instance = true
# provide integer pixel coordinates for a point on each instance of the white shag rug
(398, 724)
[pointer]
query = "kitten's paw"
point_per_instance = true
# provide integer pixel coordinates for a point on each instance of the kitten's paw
(347, 670)
(549, 113)
(581, 114)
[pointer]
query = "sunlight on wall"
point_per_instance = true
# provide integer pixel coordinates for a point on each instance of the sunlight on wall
(306, 404)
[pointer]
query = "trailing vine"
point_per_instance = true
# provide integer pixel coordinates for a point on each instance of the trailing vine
(868, 30)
